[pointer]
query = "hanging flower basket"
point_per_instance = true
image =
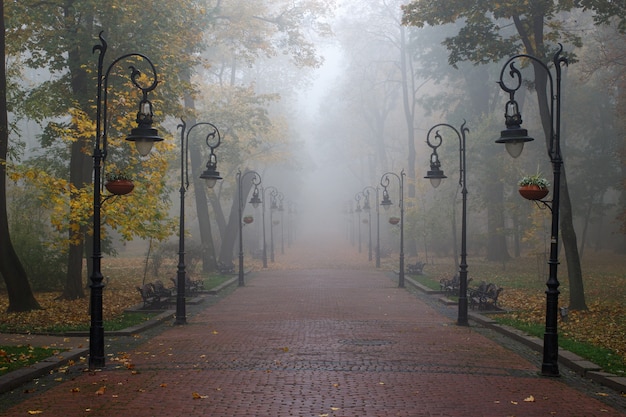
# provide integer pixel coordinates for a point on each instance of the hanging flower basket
(248, 219)
(394, 220)
(533, 192)
(119, 187)
(534, 187)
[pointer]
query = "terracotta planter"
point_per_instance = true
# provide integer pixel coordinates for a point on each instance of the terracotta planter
(533, 192)
(248, 219)
(394, 220)
(119, 187)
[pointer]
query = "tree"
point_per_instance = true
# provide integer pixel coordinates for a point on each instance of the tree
(486, 37)
(254, 51)
(607, 62)
(11, 269)
(59, 38)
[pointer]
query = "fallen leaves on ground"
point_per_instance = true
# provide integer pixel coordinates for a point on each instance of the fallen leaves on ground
(523, 279)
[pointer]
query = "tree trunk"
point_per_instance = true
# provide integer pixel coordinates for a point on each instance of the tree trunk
(408, 100)
(574, 270)
(568, 234)
(497, 250)
(230, 235)
(20, 294)
(80, 169)
(209, 263)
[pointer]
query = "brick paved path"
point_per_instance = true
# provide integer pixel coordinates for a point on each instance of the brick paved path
(317, 342)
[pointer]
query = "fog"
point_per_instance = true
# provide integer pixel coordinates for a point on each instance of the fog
(321, 135)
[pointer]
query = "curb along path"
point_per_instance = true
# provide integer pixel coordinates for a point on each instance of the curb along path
(317, 343)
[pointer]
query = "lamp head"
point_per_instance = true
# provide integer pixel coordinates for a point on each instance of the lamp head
(386, 203)
(366, 203)
(514, 136)
(255, 200)
(144, 135)
(435, 175)
(211, 174)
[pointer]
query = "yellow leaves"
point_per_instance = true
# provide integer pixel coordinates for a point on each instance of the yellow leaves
(34, 412)
(529, 399)
(197, 396)
(101, 390)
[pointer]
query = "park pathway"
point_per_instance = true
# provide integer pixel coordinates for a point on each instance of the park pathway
(317, 341)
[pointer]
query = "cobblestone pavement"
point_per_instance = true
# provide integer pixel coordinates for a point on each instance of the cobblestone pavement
(315, 343)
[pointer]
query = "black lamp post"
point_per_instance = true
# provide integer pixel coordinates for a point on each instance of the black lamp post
(275, 195)
(144, 136)
(358, 211)
(255, 200)
(281, 210)
(263, 190)
(211, 175)
(514, 138)
(367, 208)
(436, 175)
(386, 203)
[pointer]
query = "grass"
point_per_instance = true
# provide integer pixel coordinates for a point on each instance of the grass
(16, 357)
(607, 359)
(214, 280)
(122, 321)
(61, 316)
(597, 334)
(426, 281)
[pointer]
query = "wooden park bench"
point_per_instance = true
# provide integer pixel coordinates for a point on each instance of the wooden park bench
(485, 297)
(192, 286)
(224, 268)
(151, 298)
(450, 286)
(416, 269)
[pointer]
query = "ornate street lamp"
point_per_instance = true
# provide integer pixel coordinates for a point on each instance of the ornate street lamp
(435, 175)
(291, 211)
(514, 138)
(211, 175)
(281, 210)
(386, 203)
(143, 136)
(367, 208)
(275, 195)
(358, 211)
(255, 200)
(271, 189)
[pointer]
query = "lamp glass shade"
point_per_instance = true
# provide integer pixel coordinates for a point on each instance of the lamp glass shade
(143, 146)
(211, 177)
(514, 139)
(435, 182)
(435, 175)
(144, 137)
(255, 201)
(514, 148)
